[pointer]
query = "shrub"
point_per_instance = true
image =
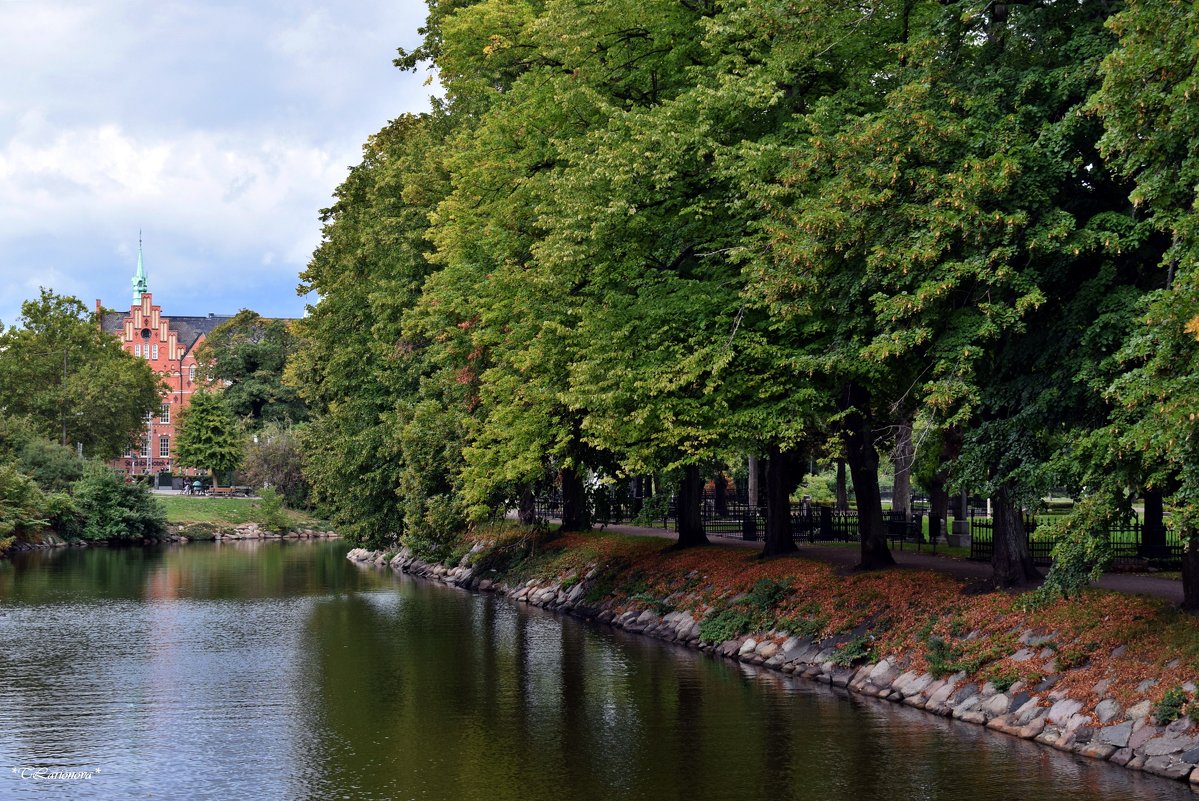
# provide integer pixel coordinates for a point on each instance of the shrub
(23, 509)
(1002, 679)
(725, 625)
(273, 458)
(859, 649)
(1169, 709)
(113, 510)
(270, 514)
(54, 467)
(766, 594)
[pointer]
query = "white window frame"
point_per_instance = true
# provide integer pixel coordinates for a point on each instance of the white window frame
(164, 447)
(155, 352)
(146, 448)
(164, 414)
(137, 349)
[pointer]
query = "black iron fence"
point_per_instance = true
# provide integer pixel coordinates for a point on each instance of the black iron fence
(731, 517)
(1127, 542)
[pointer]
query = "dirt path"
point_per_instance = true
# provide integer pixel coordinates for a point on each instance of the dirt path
(846, 558)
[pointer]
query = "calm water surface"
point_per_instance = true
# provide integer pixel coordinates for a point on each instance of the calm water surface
(281, 671)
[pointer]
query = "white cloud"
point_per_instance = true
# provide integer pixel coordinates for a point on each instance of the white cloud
(221, 128)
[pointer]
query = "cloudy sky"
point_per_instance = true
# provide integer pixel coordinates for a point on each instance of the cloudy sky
(218, 128)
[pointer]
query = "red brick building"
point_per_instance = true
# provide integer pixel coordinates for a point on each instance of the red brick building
(169, 344)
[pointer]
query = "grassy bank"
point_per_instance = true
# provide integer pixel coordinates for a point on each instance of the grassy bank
(184, 509)
(1137, 650)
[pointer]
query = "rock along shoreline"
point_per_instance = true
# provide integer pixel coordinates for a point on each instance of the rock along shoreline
(1126, 737)
(182, 532)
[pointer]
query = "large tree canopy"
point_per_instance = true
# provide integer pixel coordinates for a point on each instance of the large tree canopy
(648, 237)
(72, 380)
(248, 353)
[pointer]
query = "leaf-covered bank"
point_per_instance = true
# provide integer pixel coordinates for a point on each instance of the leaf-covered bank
(1104, 675)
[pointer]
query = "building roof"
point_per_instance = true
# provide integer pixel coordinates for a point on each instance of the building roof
(188, 329)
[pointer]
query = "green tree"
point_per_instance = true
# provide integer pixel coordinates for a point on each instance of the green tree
(72, 381)
(248, 353)
(356, 367)
(274, 458)
(1151, 136)
(209, 437)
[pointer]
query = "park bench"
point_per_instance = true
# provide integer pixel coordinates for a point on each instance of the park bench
(221, 492)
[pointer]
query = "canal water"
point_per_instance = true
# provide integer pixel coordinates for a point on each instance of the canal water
(282, 671)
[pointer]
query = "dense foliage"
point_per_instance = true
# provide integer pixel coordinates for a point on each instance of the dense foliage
(46, 488)
(114, 510)
(654, 237)
(73, 382)
(209, 437)
(247, 354)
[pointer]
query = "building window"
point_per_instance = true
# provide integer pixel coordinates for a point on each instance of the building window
(155, 352)
(191, 373)
(164, 416)
(164, 447)
(137, 350)
(146, 448)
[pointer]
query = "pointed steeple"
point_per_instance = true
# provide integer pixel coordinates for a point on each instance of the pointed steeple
(140, 287)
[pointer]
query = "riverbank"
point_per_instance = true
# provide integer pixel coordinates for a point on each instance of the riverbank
(199, 518)
(183, 532)
(1103, 675)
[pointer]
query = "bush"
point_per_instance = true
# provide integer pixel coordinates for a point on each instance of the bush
(1169, 709)
(54, 467)
(113, 510)
(725, 625)
(64, 516)
(275, 460)
(270, 514)
(859, 649)
(23, 511)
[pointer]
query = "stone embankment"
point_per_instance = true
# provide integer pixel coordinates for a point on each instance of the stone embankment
(245, 531)
(187, 532)
(1090, 723)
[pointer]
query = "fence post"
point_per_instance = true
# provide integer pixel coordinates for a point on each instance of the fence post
(749, 524)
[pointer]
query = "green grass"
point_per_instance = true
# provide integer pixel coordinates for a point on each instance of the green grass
(232, 511)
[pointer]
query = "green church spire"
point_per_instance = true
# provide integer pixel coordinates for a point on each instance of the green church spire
(140, 287)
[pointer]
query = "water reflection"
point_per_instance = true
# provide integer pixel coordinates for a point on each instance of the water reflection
(281, 671)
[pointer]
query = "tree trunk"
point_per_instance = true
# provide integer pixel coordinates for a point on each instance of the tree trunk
(526, 511)
(1153, 533)
(863, 469)
(752, 484)
(842, 492)
(720, 495)
(690, 501)
(574, 504)
(938, 494)
(1190, 570)
(1010, 560)
(902, 456)
(784, 469)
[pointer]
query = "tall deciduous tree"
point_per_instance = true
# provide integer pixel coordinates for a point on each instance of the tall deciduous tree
(73, 381)
(248, 353)
(209, 437)
(1147, 104)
